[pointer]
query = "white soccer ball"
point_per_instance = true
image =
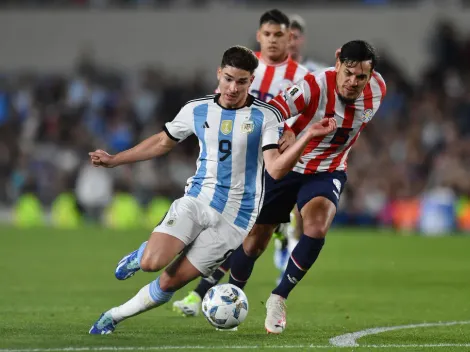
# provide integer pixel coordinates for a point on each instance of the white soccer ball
(225, 306)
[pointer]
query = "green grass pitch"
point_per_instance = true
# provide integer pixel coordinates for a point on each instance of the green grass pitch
(54, 285)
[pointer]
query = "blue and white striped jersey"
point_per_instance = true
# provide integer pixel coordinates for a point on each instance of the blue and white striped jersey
(230, 167)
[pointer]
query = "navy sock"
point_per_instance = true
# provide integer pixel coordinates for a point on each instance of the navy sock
(302, 258)
(242, 267)
(207, 282)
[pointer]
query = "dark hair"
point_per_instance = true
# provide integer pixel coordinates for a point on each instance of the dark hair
(297, 22)
(274, 16)
(356, 51)
(240, 57)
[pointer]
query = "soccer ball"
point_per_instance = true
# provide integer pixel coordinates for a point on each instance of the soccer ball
(225, 306)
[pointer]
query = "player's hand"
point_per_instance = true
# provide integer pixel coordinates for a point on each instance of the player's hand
(323, 127)
(101, 158)
(287, 139)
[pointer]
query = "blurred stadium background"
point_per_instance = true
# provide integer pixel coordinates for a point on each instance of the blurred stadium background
(77, 75)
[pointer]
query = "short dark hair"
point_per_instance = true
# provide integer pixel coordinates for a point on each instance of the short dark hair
(356, 51)
(297, 22)
(274, 16)
(240, 57)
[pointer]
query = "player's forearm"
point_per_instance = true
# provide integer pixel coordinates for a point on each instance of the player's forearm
(287, 160)
(149, 148)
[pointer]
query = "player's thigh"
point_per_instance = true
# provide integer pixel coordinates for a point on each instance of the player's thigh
(161, 249)
(214, 245)
(318, 200)
(185, 219)
(258, 239)
(182, 224)
(279, 198)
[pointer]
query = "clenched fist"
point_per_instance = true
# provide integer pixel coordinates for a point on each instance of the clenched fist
(101, 158)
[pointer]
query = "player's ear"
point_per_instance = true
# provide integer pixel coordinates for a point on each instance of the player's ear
(370, 74)
(337, 65)
(252, 79)
(258, 36)
(219, 73)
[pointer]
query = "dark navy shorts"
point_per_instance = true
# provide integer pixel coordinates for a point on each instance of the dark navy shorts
(295, 188)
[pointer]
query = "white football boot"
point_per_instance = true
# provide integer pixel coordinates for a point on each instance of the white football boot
(275, 322)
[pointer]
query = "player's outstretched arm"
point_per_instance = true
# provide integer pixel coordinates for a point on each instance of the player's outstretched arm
(278, 165)
(154, 146)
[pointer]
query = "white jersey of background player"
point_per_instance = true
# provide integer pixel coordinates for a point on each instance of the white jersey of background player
(236, 134)
(277, 70)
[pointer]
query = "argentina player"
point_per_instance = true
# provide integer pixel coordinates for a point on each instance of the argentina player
(238, 135)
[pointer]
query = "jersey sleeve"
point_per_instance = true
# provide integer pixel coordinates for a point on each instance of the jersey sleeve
(298, 98)
(182, 125)
(272, 129)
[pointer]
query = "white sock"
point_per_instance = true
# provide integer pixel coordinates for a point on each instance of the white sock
(149, 296)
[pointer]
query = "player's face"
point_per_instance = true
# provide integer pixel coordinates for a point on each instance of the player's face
(274, 41)
(352, 78)
(233, 86)
(296, 43)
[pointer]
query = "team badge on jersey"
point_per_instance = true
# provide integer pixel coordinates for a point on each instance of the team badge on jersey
(367, 115)
(248, 126)
(226, 126)
(294, 92)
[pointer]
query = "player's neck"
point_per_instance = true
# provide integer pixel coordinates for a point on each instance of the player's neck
(228, 106)
(296, 57)
(274, 62)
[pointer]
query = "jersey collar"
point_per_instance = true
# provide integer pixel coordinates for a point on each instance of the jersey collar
(249, 101)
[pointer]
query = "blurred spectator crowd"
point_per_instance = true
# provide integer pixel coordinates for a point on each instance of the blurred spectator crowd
(413, 156)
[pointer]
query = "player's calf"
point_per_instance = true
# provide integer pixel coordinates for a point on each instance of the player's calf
(244, 258)
(302, 258)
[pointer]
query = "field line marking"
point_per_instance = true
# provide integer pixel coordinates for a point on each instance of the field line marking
(247, 347)
(349, 340)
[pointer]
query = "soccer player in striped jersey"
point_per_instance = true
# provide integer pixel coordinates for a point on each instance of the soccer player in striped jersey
(350, 93)
(238, 134)
(276, 71)
(287, 235)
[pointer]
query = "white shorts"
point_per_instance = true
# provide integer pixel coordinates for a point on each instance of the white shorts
(209, 237)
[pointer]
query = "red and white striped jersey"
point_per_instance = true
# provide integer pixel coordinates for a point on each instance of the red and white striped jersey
(270, 80)
(314, 98)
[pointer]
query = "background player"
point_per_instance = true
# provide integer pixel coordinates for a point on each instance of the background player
(297, 45)
(276, 71)
(221, 201)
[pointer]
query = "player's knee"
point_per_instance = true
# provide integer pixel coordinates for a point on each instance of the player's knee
(150, 263)
(258, 240)
(316, 229)
(253, 249)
